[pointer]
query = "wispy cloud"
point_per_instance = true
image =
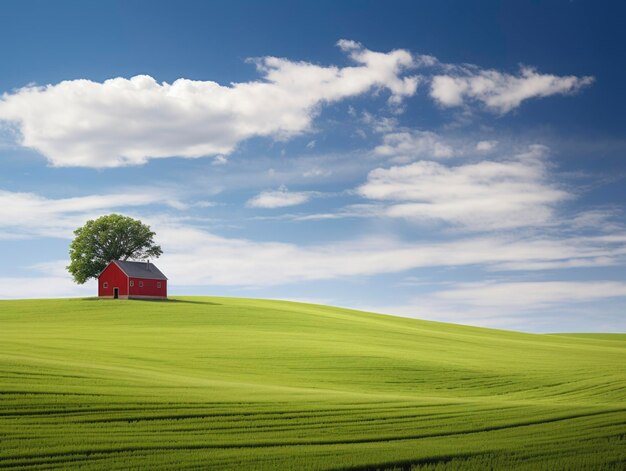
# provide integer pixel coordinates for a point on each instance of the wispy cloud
(195, 256)
(486, 146)
(192, 255)
(43, 287)
(24, 215)
(530, 294)
(544, 305)
(497, 91)
(405, 146)
(280, 198)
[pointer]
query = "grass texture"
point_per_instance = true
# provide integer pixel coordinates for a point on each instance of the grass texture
(223, 383)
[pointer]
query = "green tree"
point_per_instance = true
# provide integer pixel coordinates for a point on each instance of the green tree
(112, 237)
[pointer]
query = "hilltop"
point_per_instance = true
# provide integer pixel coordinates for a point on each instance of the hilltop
(226, 383)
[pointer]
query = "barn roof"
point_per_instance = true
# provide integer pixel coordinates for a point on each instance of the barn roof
(140, 270)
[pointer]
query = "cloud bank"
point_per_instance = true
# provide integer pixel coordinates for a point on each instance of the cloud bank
(486, 195)
(530, 295)
(196, 256)
(81, 123)
(545, 305)
(127, 121)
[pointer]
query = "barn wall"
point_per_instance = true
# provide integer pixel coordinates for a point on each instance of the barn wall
(149, 288)
(116, 279)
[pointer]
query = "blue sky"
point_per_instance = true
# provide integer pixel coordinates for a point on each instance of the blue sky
(439, 160)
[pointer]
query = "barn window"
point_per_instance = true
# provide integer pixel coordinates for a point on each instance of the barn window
(158, 284)
(105, 285)
(141, 284)
(132, 283)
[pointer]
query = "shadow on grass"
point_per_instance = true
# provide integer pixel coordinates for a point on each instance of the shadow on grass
(169, 300)
(187, 301)
(408, 465)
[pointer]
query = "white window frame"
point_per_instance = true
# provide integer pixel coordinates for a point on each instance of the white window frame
(141, 284)
(105, 284)
(132, 283)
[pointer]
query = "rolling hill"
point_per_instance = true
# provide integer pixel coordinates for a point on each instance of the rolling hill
(223, 383)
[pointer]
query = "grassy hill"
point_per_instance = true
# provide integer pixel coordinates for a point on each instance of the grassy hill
(221, 383)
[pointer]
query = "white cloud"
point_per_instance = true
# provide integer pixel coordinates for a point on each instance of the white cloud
(604, 219)
(196, 257)
(204, 204)
(28, 214)
(379, 124)
(405, 146)
(500, 92)
(530, 294)
(43, 287)
(280, 198)
(52, 281)
(128, 121)
(486, 146)
(479, 196)
(55, 268)
(528, 305)
(316, 172)
(350, 211)
(220, 160)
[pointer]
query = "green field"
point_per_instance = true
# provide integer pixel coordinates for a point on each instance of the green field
(222, 383)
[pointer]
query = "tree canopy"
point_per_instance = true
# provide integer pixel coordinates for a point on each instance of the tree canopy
(111, 237)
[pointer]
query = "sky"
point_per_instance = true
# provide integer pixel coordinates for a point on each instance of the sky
(439, 160)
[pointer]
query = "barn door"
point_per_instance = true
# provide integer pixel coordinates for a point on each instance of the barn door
(116, 293)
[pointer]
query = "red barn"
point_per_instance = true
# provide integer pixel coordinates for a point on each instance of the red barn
(132, 280)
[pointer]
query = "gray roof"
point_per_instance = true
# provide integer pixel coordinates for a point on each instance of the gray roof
(140, 270)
